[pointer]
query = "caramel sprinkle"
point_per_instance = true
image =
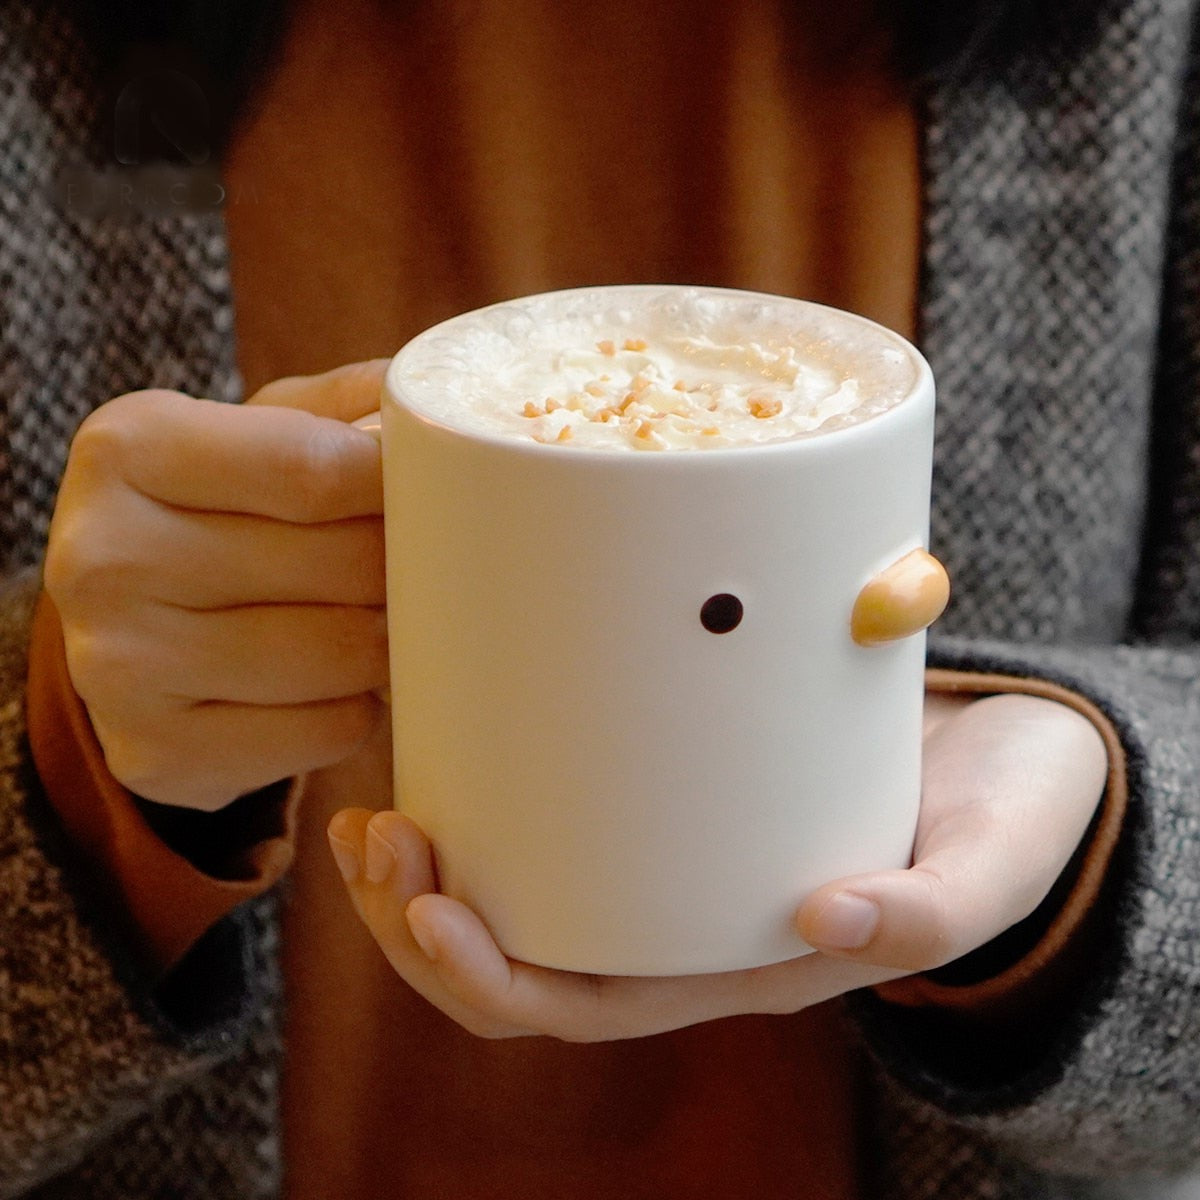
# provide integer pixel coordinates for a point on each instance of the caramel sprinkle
(643, 411)
(763, 408)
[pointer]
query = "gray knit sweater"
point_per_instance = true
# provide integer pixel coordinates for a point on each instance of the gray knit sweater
(1061, 311)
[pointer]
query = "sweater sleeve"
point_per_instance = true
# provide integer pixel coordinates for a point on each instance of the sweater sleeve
(1109, 1083)
(168, 873)
(90, 1036)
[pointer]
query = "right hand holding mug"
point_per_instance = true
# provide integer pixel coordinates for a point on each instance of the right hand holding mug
(218, 571)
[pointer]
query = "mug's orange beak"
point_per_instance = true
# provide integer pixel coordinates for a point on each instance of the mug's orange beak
(901, 600)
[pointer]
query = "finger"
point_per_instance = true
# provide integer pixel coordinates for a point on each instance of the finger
(386, 862)
(203, 756)
(921, 918)
(400, 855)
(270, 461)
(1008, 793)
(343, 394)
(565, 1005)
(442, 949)
(587, 1008)
(946, 905)
(902, 919)
(251, 561)
(211, 560)
(270, 654)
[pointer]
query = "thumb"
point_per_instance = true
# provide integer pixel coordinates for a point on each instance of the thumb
(344, 394)
(1010, 786)
(915, 920)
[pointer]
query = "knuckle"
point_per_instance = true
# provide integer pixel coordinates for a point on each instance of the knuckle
(105, 674)
(112, 433)
(89, 549)
(60, 574)
(85, 568)
(155, 770)
(136, 763)
(102, 440)
(87, 661)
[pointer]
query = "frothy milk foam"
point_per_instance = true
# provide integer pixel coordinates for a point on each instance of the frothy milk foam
(654, 368)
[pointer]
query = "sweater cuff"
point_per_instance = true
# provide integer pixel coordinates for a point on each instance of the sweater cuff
(1035, 963)
(171, 874)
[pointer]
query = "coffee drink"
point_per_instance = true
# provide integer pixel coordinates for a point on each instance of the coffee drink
(650, 368)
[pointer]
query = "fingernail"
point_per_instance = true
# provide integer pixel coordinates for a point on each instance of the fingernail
(423, 937)
(346, 857)
(845, 922)
(381, 857)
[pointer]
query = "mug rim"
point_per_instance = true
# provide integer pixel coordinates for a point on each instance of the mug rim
(923, 382)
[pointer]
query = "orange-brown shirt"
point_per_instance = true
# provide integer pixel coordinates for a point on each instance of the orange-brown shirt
(409, 161)
(429, 158)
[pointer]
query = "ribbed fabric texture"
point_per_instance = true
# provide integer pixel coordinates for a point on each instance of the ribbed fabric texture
(155, 1095)
(90, 306)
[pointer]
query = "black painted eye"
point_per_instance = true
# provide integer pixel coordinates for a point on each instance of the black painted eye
(721, 613)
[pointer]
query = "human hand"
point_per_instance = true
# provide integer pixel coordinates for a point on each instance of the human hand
(1010, 785)
(218, 571)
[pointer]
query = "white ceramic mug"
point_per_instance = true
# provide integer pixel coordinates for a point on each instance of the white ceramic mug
(613, 786)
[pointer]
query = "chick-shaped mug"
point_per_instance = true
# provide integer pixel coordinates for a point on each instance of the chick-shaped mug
(657, 593)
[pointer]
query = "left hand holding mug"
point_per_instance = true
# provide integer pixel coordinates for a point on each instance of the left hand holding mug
(1010, 784)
